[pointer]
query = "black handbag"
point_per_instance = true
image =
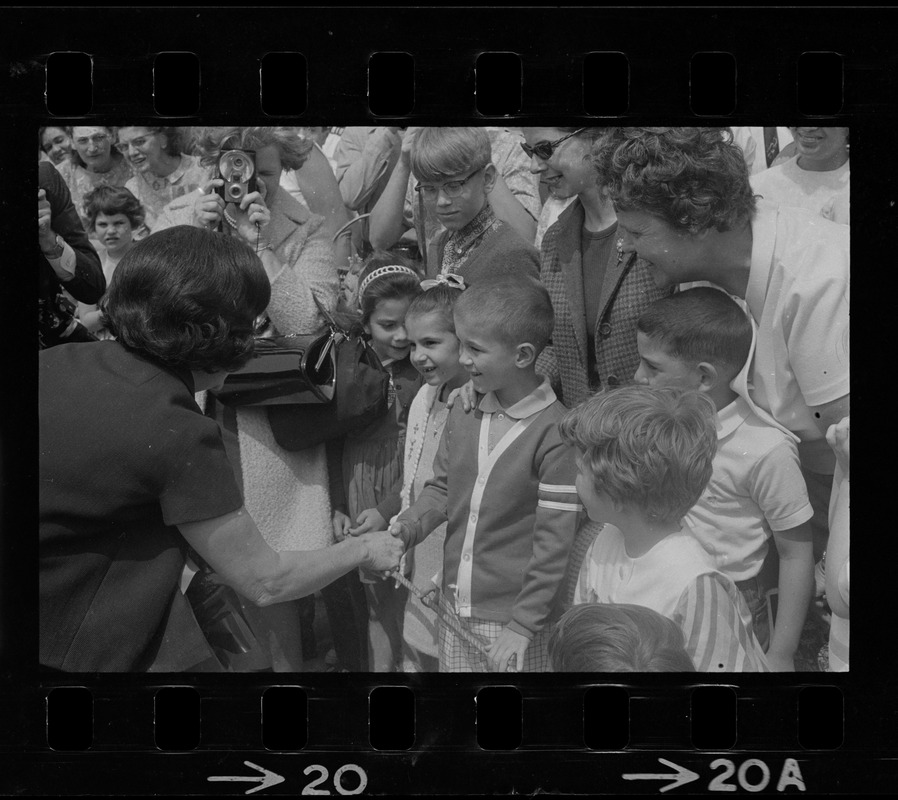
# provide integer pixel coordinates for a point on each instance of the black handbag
(291, 369)
(314, 387)
(360, 397)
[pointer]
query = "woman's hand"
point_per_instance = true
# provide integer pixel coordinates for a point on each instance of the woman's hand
(383, 551)
(252, 215)
(369, 520)
(207, 209)
(466, 395)
(342, 523)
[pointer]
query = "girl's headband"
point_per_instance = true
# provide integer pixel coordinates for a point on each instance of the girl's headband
(450, 279)
(391, 269)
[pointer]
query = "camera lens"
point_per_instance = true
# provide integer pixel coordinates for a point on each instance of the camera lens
(235, 191)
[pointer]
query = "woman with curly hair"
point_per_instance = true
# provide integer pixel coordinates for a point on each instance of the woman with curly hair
(286, 492)
(133, 474)
(162, 172)
(114, 216)
(684, 204)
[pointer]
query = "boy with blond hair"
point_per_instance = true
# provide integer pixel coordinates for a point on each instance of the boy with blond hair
(504, 480)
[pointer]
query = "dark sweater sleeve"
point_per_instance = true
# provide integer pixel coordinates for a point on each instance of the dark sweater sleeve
(88, 285)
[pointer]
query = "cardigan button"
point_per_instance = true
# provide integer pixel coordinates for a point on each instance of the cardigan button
(605, 329)
(612, 380)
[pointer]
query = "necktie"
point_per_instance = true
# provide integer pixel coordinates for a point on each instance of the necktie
(771, 145)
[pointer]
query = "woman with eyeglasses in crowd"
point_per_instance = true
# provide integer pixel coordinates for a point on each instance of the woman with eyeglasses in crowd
(598, 292)
(162, 172)
(93, 162)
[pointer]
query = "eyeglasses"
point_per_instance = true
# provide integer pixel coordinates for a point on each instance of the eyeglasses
(544, 149)
(139, 144)
(97, 139)
(450, 188)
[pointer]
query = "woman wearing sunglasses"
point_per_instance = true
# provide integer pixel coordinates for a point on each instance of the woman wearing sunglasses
(161, 171)
(92, 162)
(598, 292)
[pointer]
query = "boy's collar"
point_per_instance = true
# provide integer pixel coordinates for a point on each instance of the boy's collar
(484, 219)
(538, 400)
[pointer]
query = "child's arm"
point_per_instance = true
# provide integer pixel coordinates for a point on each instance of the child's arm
(796, 586)
(557, 516)
(837, 548)
(778, 487)
(716, 639)
(431, 508)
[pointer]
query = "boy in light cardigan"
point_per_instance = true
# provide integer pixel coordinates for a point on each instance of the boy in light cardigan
(504, 480)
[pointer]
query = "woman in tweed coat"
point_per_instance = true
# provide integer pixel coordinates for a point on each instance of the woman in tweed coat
(597, 291)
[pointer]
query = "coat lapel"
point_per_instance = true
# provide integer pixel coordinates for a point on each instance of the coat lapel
(615, 272)
(571, 261)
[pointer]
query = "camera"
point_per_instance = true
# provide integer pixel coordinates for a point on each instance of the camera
(237, 168)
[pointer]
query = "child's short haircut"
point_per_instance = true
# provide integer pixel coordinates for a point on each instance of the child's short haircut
(438, 299)
(605, 637)
(513, 308)
(440, 153)
(701, 324)
(112, 200)
(386, 284)
(646, 448)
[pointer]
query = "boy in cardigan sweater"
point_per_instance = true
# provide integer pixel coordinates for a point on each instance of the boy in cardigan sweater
(504, 480)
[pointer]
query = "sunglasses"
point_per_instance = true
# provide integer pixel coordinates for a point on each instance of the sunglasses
(544, 149)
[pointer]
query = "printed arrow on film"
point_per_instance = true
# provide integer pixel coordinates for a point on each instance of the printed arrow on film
(266, 779)
(681, 777)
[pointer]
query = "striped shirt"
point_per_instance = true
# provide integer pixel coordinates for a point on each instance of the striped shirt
(678, 579)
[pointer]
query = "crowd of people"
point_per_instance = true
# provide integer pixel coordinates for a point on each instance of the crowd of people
(617, 425)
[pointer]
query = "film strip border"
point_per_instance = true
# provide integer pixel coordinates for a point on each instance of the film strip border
(455, 63)
(349, 737)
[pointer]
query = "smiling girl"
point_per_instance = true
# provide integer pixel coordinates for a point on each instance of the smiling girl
(435, 354)
(366, 493)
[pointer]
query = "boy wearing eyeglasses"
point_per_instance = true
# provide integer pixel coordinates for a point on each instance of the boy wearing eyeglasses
(455, 176)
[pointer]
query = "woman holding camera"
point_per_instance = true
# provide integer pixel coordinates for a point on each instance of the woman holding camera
(162, 172)
(286, 492)
(132, 475)
(92, 162)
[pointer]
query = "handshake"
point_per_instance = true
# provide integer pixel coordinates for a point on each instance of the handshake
(383, 550)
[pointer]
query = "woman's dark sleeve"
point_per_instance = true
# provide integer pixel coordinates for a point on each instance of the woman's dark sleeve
(88, 285)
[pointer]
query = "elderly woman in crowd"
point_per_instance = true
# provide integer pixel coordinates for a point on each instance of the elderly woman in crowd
(132, 475)
(162, 172)
(286, 492)
(93, 162)
(685, 205)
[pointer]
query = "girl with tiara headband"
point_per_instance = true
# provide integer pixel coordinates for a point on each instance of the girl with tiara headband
(434, 353)
(365, 493)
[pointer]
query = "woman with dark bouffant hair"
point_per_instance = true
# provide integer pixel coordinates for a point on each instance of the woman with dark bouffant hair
(286, 492)
(132, 472)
